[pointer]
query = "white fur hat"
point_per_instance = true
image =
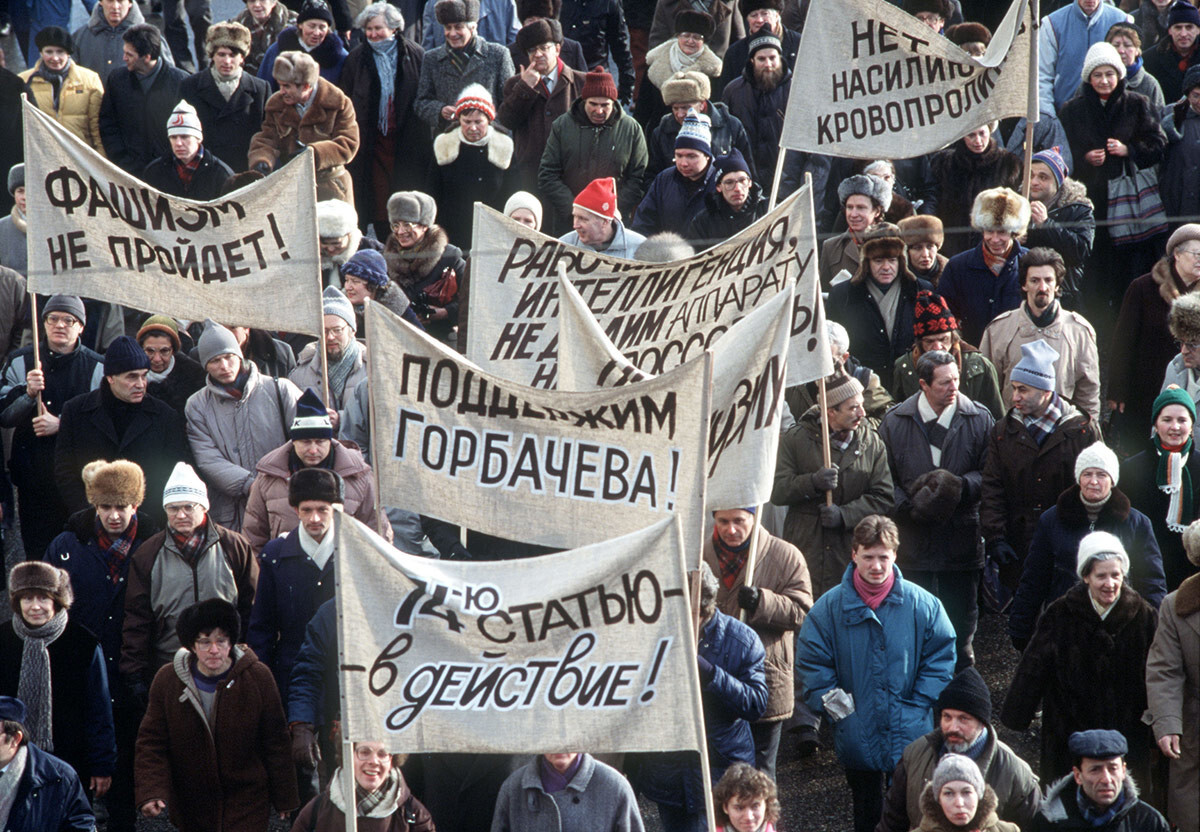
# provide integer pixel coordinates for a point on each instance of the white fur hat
(1099, 546)
(1000, 209)
(335, 218)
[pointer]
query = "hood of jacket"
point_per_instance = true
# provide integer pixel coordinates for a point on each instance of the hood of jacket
(715, 203)
(97, 23)
(447, 146)
(242, 657)
(933, 819)
(1072, 192)
(253, 380)
(407, 266)
(1062, 793)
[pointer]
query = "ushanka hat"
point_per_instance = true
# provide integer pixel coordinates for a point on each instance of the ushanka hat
(1184, 318)
(877, 190)
(318, 484)
(1000, 209)
(542, 30)
(932, 315)
(231, 35)
(119, 483)
(456, 11)
(38, 576)
(694, 22)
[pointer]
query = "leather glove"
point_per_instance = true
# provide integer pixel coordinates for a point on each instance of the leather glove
(305, 751)
(1001, 551)
(748, 598)
(826, 478)
(831, 517)
(263, 168)
(1019, 644)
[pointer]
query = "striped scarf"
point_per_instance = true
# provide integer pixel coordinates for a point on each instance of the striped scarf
(116, 552)
(1040, 427)
(1173, 479)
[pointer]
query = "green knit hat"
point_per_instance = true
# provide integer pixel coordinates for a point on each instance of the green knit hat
(1174, 395)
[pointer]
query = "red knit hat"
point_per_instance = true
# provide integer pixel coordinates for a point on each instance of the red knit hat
(599, 197)
(932, 316)
(598, 84)
(475, 97)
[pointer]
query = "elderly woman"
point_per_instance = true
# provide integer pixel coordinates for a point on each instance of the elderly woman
(64, 90)
(974, 163)
(266, 20)
(382, 800)
(422, 261)
(685, 51)
(1084, 664)
(585, 795)
(214, 749)
(365, 277)
(901, 207)
(313, 34)
(1093, 503)
(57, 668)
(957, 799)
(525, 208)
(864, 200)
(380, 77)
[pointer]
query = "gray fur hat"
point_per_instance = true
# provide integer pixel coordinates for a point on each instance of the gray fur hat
(412, 206)
(664, 247)
(296, 67)
(16, 178)
(335, 219)
(1184, 318)
(456, 11)
(864, 184)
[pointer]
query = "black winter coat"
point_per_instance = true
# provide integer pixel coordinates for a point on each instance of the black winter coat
(739, 53)
(851, 305)
(718, 221)
(187, 377)
(1162, 61)
(959, 176)
(728, 132)
(465, 175)
(1060, 812)
(1069, 229)
(1137, 478)
(228, 125)
(761, 113)
(12, 131)
(133, 122)
(206, 182)
(599, 26)
(1085, 673)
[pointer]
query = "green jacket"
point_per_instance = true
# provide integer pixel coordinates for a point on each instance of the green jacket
(977, 381)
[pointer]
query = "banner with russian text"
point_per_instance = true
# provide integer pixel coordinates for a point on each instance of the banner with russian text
(880, 84)
(250, 258)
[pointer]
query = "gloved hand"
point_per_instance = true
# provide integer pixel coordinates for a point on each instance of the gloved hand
(1001, 551)
(748, 598)
(263, 168)
(305, 751)
(831, 517)
(1019, 644)
(826, 478)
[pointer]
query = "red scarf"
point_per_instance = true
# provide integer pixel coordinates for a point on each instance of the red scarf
(185, 171)
(730, 561)
(873, 595)
(994, 263)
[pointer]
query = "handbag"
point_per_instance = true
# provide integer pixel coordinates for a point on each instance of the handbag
(1135, 209)
(443, 290)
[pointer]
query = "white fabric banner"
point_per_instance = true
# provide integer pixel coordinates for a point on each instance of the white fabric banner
(879, 84)
(251, 258)
(539, 466)
(659, 315)
(749, 368)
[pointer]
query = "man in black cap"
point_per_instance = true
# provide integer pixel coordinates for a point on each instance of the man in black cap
(734, 206)
(1098, 794)
(964, 715)
(38, 791)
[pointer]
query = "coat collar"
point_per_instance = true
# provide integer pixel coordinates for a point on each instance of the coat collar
(658, 63)
(532, 779)
(447, 146)
(1187, 598)
(1071, 510)
(908, 408)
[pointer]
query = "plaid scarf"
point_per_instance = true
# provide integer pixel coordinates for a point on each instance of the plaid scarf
(186, 171)
(116, 552)
(841, 440)
(189, 545)
(730, 561)
(367, 801)
(1040, 427)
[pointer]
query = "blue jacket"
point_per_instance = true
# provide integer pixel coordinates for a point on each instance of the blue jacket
(313, 692)
(49, 797)
(290, 589)
(893, 678)
(670, 204)
(1065, 37)
(498, 23)
(975, 294)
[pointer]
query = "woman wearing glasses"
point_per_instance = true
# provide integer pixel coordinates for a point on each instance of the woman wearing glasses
(382, 800)
(213, 750)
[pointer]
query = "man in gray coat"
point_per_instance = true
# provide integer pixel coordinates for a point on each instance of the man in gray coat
(99, 44)
(567, 790)
(345, 357)
(937, 441)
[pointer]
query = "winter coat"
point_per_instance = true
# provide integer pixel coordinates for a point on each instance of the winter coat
(49, 797)
(290, 589)
(223, 776)
(328, 127)
(672, 201)
(99, 46)
(624, 244)
(785, 597)
(1162, 61)
(650, 108)
(418, 268)
(864, 487)
(1173, 694)
(718, 221)
(465, 175)
(308, 374)
(14, 242)
(1182, 164)
(1060, 811)
(261, 37)
(530, 115)
(1021, 479)
(1049, 132)
(229, 436)
(1069, 229)
(162, 585)
(599, 26)
(270, 515)
(876, 401)
(12, 131)
(153, 438)
(99, 603)
(953, 543)
(440, 83)
(734, 60)
(730, 26)
(1145, 84)
(894, 678)
(977, 378)
(1077, 368)
(272, 356)
(498, 23)
(13, 320)
(1084, 673)
(1063, 42)
(728, 133)
(1138, 481)
(933, 819)
(1152, 27)
(598, 799)
(206, 184)
(228, 125)
(578, 151)
(185, 378)
(960, 175)
(81, 717)
(1050, 565)
(330, 55)
(321, 815)
(314, 692)
(1010, 782)
(761, 113)
(133, 121)
(839, 252)
(78, 101)
(976, 294)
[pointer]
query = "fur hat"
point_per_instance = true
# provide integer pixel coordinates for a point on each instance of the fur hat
(1098, 455)
(233, 36)
(1191, 542)
(966, 692)
(319, 484)
(456, 11)
(922, 228)
(538, 8)
(1100, 546)
(664, 247)
(119, 483)
(335, 219)
(37, 576)
(953, 768)
(841, 386)
(1184, 318)
(16, 178)
(695, 22)
(1102, 53)
(209, 615)
(686, 85)
(1000, 209)
(863, 184)
(412, 206)
(942, 8)
(935, 495)
(961, 34)
(881, 240)
(475, 97)
(932, 315)
(1188, 232)
(315, 10)
(296, 67)
(54, 36)
(545, 30)
(163, 325)
(748, 6)
(185, 486)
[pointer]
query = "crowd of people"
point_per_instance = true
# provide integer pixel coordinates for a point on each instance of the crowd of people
(1004, 360)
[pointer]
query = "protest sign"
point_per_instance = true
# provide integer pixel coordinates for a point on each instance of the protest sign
(250, 258)
(749, 367)
(585, 650)
(539, 466)
(880, 84)
(659, 315)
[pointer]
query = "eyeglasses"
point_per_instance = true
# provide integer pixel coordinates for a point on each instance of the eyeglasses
(542, 48)
(735, 182)
(336, 331)
(1190, 346)
(1190, 252)
(364, 754)
(181, 508)
(691, 36)
(406, 226)
(209, 643)
(61, 320)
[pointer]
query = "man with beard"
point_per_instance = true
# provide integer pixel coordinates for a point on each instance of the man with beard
(763, 17)
(343, 356)
(1174, 55)
(340, 239)
(1061, 218)
(758, 97)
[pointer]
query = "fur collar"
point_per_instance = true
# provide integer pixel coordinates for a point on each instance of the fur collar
(1072, 192)
(1169, 285)
(409, 266)
(1061, 794)
(1071, 510)
(1124, 612)
(19, 220)
(933, 819)
(658, 63)
(1187, 597)
(499, 148)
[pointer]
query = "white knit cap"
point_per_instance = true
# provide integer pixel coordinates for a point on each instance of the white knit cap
(184, 121)
(526, 200)
(1102, 53)
(1098, 455)
(1100, 546)
(184, 486)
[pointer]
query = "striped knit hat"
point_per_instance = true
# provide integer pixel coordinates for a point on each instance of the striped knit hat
(696, 133)
(475, 97)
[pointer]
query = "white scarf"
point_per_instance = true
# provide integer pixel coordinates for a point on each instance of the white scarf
(153, 376)
(481, 143)
(680, 60)
(318, 553)
(226, 87)
(925, 410)
(10, 778)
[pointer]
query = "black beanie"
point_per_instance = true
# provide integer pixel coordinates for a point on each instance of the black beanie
(967, 692)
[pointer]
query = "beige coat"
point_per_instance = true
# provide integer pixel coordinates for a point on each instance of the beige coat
(1073, 338)
(78, 102)
(786, 597)
(1173, 695)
